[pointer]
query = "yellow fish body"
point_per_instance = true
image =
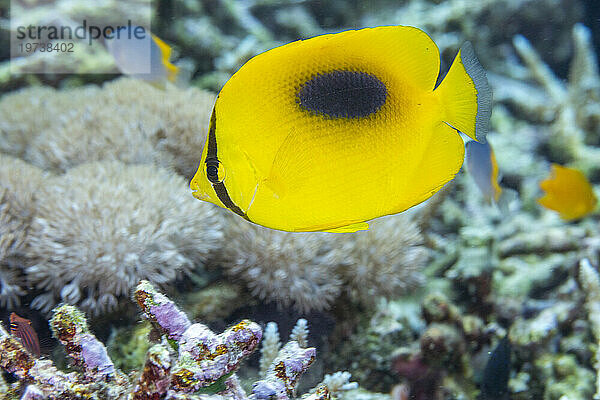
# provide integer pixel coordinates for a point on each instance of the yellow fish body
(326, 133)
(568, 192)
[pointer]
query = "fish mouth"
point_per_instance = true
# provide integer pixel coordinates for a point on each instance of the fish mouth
(197, 192)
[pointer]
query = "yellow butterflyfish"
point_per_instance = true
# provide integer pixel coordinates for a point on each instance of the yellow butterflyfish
(568, 192)
(327, 133)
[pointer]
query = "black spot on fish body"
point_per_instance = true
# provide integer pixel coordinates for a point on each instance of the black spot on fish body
(342, 94)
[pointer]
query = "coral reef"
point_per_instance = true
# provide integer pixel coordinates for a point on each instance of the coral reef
(97, 220)
(18, 184)
(310, 270)
(127, 120)
(137, 123)
(574, 107)
(590, 282)
(191, 362)
(458, 275)
(384, 261)
(290, 268)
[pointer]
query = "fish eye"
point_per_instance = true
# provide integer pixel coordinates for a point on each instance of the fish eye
(215, 171)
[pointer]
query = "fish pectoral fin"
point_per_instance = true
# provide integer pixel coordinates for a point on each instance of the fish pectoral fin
(275, 184)
(359, 226)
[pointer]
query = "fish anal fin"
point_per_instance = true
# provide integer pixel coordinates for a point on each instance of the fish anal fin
(359, 226)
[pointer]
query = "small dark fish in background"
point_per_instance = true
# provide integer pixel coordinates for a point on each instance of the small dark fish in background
(494, 384)
(21, 328)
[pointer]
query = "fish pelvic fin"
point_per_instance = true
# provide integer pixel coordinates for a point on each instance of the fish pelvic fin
(466, 95)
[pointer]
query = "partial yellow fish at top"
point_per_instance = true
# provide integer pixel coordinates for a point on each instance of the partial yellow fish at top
(568, 192)
(327, 133)
(141, 54)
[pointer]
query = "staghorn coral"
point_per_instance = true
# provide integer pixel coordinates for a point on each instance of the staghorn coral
(127, 120)
(108, 219)
(70, 328)
(309, 270)
(280, 367)
(270, 348)
(575, 106)
(338, 382)
(282, 376)
(214, 358)
(300, 332)
(590, 282)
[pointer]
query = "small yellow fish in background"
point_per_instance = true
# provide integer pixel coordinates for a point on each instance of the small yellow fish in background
(483, 168)
(326, 133)
(568, 192)
(141, 54)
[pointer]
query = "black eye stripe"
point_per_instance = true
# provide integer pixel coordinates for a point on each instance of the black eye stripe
(212, 169)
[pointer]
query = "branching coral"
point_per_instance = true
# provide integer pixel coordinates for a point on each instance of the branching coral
(590, 282)
(310, 270)
(270, 347)
(576, 106)
(191, 362)
(108, 219)
(280, 367)
(127, 120)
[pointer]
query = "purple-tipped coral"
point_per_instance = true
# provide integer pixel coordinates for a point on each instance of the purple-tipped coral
(192, 362)
(161, 311)
(282, 377)
(156, 376)
(204, 357)
(70, 328)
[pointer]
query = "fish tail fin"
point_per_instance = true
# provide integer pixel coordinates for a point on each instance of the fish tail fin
(466, 95)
